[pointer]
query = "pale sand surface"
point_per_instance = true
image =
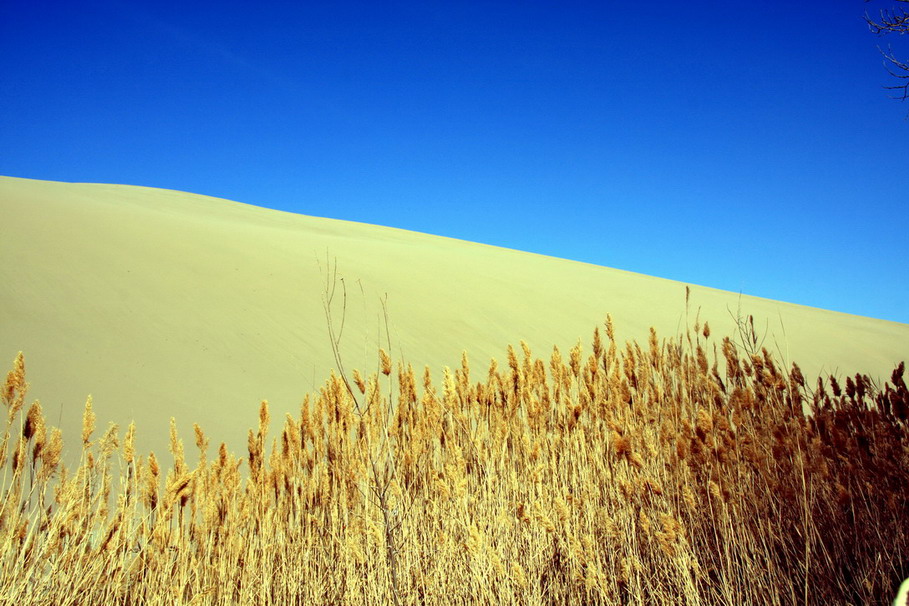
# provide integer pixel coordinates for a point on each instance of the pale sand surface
(162, 303)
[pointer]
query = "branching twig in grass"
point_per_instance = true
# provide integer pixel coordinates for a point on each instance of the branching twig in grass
(384, 456)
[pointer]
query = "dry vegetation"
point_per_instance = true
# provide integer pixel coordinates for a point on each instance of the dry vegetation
(684, 471)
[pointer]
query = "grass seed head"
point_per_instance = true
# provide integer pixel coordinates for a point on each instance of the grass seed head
(88, 422)
(385, 362)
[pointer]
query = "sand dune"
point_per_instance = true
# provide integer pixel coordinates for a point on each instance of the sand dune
(162, 303)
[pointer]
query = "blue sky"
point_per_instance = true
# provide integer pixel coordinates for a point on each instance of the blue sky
(749, 148)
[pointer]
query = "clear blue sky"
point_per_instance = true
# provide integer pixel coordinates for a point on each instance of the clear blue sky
(745, 147)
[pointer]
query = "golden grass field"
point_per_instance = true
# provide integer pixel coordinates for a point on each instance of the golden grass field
(604, 475)
(695, 463)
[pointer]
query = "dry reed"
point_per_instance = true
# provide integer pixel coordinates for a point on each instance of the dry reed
(688, 471)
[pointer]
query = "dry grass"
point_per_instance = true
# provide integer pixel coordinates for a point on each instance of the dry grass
(683, 471)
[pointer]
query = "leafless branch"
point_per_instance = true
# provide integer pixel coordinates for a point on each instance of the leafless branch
(902, 74)
(889, 21)
(382, 457)
(328, 294)
(892, 21)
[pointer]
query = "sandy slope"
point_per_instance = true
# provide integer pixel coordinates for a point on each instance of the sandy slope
(162, 303)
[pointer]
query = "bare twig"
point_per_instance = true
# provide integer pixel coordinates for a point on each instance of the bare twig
(892, 21)
(382, 458)
(328, 294)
